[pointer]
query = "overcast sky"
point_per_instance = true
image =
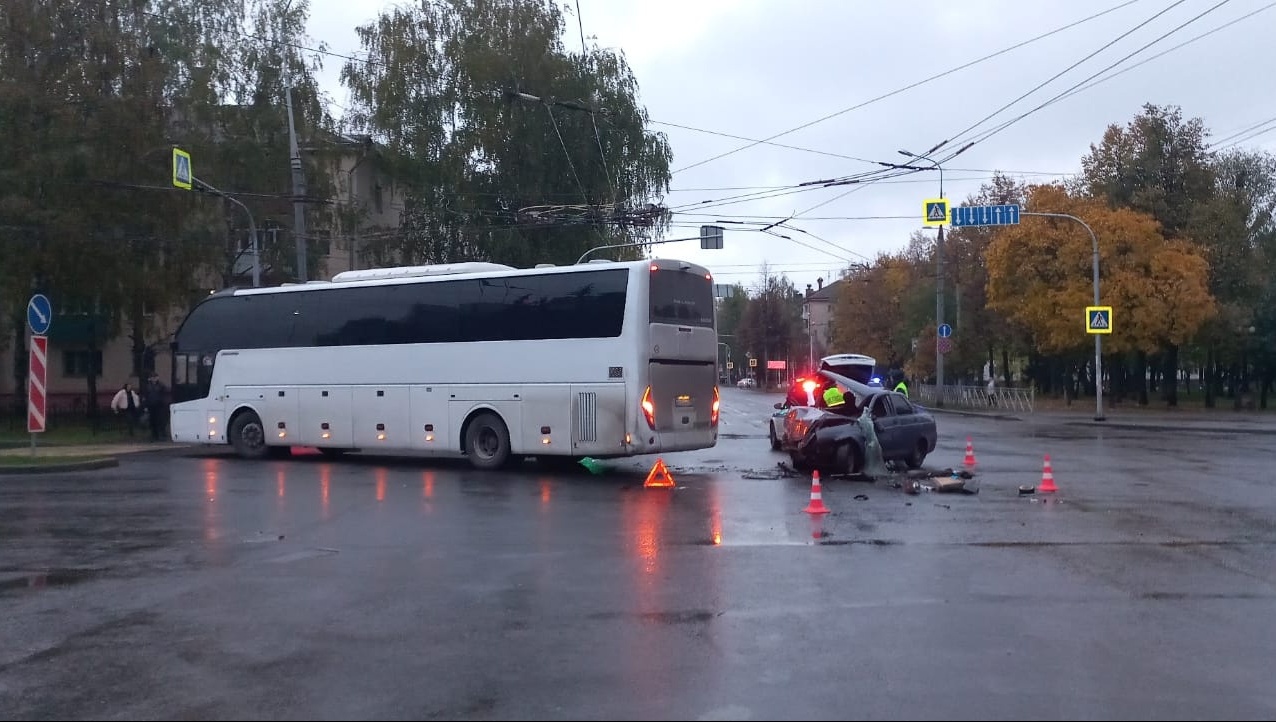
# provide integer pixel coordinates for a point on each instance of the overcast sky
(755, 68)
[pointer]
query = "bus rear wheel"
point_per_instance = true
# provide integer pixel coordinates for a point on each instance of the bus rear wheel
(248, 436)
(487, 442)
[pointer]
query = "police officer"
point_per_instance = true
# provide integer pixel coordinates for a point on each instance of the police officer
(901, 387)
(833, 397)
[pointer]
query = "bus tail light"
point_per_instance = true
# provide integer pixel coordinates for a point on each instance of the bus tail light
(717, 406)
(649, 409)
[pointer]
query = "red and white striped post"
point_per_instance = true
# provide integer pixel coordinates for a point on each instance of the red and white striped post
(37, 375)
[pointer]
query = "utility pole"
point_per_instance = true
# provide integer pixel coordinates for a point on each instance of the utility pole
(939, 267)
(298, 192)
(939, 280)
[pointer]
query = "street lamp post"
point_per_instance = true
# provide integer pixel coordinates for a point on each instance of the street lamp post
(939, 284)
(252, 226)
(1098, 339)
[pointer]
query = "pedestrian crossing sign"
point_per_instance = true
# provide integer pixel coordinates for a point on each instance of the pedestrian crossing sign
(935, 212)
(1098, 319)
(182, 175)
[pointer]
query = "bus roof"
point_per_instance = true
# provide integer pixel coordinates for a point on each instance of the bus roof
(449, 271)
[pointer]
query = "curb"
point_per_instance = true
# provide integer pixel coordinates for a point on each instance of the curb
(86, 465)
(1167, 427)
(975, 414)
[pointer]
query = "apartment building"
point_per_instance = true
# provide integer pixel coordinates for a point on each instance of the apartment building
(366, 205)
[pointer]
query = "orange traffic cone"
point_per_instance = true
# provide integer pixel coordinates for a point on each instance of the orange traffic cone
(659, 476)
(1047, 478)
(817, 498)
(970, 453)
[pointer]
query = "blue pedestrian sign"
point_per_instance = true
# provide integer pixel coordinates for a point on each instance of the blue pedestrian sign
(945, 331)
(39, 314)
(1002, 215)
(1098, 319)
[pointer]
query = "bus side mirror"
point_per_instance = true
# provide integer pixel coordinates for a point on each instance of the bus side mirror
(779, 405)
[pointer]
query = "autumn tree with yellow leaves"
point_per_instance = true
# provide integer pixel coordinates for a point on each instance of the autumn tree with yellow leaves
(1039, 276)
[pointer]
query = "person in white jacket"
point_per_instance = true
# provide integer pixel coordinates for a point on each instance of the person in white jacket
(128, 404)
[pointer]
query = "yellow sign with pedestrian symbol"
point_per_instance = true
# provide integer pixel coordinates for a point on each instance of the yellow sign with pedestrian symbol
(1098, 319)
(935, 212)
(183, 177)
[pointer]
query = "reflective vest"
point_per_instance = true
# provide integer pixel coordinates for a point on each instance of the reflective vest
(902, 388)
(833, 397)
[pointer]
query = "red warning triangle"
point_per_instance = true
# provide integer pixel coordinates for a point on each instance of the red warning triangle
(659, 475)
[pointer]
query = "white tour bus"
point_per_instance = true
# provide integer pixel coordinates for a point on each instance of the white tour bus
(601, 359)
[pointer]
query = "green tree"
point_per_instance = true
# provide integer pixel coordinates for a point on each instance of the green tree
(93, 96)
(1158, 164)
(1234, 226)
(489, 175)
(730, 313)
(772, 328)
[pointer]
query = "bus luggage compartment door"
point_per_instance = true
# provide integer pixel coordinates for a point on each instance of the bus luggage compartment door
(327, 416)
(682, 394)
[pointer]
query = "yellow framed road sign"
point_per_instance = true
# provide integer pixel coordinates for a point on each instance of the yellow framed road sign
(935, 212)
(1098, 319)
(183, 177)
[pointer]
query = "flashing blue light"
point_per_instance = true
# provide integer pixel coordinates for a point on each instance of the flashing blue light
(876, 380)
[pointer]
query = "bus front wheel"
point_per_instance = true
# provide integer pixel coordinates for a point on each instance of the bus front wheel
(487, 442)
(248, 436)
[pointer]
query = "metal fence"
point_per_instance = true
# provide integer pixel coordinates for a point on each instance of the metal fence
(977, 398)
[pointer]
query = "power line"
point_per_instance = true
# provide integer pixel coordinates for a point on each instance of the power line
(889, 182)
(909, 87)
(570, 164)
(1189, 41)
(1249, 137)
(755, 141)
(985, 135)
(1057, 75)
(808, 218)
(1238, 133)
(584, 54)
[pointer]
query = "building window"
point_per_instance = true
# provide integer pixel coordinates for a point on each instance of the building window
(76, 364)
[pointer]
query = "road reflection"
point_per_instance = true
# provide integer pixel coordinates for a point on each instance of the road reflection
(212, 472)
(325, 488)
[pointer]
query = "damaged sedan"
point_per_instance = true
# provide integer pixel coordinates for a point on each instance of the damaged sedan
(834, 441)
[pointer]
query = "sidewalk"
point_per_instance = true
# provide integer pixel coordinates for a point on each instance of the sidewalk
(89, 450)
(1219, 421)
(54, 458)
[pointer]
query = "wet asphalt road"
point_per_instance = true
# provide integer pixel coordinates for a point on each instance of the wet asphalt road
(206, 587)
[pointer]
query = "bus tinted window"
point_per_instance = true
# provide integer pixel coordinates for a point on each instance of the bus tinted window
(681, 298)
(516, 308)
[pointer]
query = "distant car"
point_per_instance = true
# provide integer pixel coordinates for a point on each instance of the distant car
(832, 441)
(746, 383)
